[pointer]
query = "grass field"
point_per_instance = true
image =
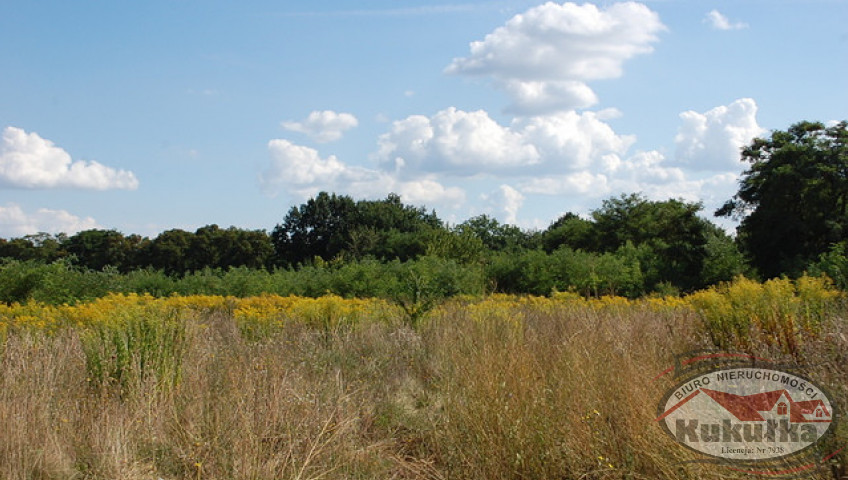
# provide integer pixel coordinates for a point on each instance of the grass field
(135, 387)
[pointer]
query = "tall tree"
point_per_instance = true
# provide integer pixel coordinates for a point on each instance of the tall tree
(672, 237)
(494, 235)
(318, 228)
(169, 251)
(96, 249)
(572, 231)
(793, 200)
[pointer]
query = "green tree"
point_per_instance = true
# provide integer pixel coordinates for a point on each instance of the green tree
(465, 248)
(724, 260)
(95, 249)
(495, 236)
(318, 228)
(388, 229)
(672, 231)
(572, 231)
(169, 251)
(40, 246)
(330, 225)
(793, 199)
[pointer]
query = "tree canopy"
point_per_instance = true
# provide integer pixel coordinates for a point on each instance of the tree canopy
(793, 199)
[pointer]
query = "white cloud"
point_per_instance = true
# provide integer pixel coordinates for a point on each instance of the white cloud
(720, 22)
(29, 161)
(301, 171)
(572, 141)
(14, 222)
(469, 144)
(297, 165)
(573, 184)
(541, 97)
(426, 192)
(506, 200)
(544, 57)
(323, 126)
(712, 140)
(453, 141)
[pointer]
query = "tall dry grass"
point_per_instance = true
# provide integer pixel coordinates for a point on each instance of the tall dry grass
(495, 388)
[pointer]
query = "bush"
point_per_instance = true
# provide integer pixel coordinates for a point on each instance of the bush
(779, 313)
(18, 280)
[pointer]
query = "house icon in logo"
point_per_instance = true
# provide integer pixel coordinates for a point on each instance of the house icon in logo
(774, 404)
(759, 407)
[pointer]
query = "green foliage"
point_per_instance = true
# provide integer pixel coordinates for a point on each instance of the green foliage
(54, 283)
(178, 252)
(793, 199)
(834, 264)
(723, 261)
(96, 249)
(64, 283)
(420, 285)
(671, 230)
(42, 247)
(464, 247)
(494, 236)
(571, 231)
(328, 226)
(529, 271)
(148, 280)
(780, 313)
(589, 273)
(596, 275)
(138, 347)
(630, 246)
(18, 280)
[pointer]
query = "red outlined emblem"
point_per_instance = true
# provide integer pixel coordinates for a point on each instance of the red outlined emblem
(748, 412)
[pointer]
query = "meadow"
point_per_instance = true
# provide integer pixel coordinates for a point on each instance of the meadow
(131, 386)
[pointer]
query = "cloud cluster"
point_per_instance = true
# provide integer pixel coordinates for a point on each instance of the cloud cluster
(544, 56)
(463, 143)
(713, 140)
(323, 126)
(720, 22)
(507, 201)
(470, 144)
(571, 154)
(15, 222)
(29, 161)
(544, 59)
(301, 171)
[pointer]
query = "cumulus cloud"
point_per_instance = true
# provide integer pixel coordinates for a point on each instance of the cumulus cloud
(469, 144)
(297, 165)
(15, 222)
(712, 140)
(544, 56)
(570, 154)
(29, 161)
(573, 184)
(720, 22)
(540, 97)
(705, 165)
(301, 171)
(505, 200)
(425, 191)
(323, 126)
(453, 141)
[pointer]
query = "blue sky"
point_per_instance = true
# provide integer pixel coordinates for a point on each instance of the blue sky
(146, 116)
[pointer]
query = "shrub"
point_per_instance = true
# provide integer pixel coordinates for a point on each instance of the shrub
(779, 313)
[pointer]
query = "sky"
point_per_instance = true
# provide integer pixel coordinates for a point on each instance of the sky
(147, 116)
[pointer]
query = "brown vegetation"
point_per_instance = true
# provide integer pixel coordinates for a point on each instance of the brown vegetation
(495, 388)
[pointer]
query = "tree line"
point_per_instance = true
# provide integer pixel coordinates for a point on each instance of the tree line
(792, 205)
